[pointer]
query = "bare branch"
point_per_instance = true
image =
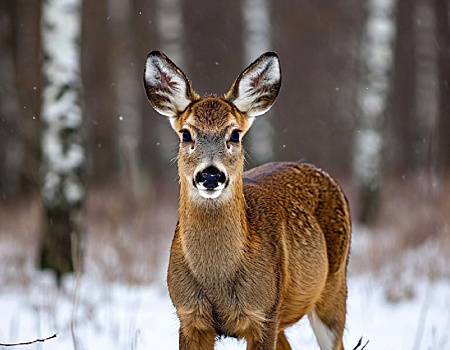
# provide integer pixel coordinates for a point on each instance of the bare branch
(30, 342)
(357, 347)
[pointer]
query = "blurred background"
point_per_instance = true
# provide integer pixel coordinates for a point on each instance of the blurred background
(365, 96)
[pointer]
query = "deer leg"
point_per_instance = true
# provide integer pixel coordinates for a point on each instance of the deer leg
(282, 343)
(263, 339)
(196, 340)
(328, 316)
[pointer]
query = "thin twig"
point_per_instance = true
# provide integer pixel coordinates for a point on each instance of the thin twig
(367, 342)
(359, 344)
(30, 342)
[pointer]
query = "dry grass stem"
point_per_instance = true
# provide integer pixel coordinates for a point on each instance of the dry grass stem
(29, 342)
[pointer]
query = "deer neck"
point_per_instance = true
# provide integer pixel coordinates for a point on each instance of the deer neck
(213, 233)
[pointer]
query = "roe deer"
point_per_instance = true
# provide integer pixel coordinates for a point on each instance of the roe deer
(254, 251)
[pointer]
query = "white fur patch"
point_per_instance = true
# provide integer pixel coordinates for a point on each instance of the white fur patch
(211, 194)
(324, 335)
(158, 75)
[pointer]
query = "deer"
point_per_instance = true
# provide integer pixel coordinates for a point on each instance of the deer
(253, 252)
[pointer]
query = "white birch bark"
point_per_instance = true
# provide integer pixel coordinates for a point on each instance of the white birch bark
(257, 41)
(377, 52)
(127, 92)
(63, 155)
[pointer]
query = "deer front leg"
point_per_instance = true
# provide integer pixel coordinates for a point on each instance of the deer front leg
(263, 339)
(282, 342)
(196, 340)
(196, 328)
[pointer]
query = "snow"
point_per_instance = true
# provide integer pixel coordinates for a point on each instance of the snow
(121, 316)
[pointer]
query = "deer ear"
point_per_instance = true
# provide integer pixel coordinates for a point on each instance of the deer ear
(257, 87)
(168, 89)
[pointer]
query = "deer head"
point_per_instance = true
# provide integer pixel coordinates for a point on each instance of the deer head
(210, 157)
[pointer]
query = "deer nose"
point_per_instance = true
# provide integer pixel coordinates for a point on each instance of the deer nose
(210, 178)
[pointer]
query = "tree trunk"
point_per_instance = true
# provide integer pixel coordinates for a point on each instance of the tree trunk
(24, 16)
(102, 145)
(256, 17)
(63, 155)
(442, 10)
(426, 96)
(373, 102)
(402, 133)
(11, 150)
(127, 92)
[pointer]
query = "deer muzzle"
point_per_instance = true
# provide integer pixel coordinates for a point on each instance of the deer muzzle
(210, 181)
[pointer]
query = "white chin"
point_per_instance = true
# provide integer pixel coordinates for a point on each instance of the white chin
(210, 194)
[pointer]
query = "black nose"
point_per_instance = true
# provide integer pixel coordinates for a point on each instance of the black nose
(210, 177)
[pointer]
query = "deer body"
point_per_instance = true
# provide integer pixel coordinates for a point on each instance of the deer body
(253, 252)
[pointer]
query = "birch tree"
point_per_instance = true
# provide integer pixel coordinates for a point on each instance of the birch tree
(377, 52)
(63, 156)
(127, 92)
(256, 41)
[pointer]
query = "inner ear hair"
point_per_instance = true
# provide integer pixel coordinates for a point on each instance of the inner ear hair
(257, 87)
(168, 89)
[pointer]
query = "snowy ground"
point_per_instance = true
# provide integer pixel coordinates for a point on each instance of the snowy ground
(112, 315)
(117, 316)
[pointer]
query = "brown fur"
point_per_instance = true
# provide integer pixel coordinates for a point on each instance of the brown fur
(270, 249)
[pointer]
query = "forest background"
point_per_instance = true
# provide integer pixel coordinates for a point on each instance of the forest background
(365, 96)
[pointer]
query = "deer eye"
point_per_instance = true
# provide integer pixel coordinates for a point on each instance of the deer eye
(234, 136)
(186, 136)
